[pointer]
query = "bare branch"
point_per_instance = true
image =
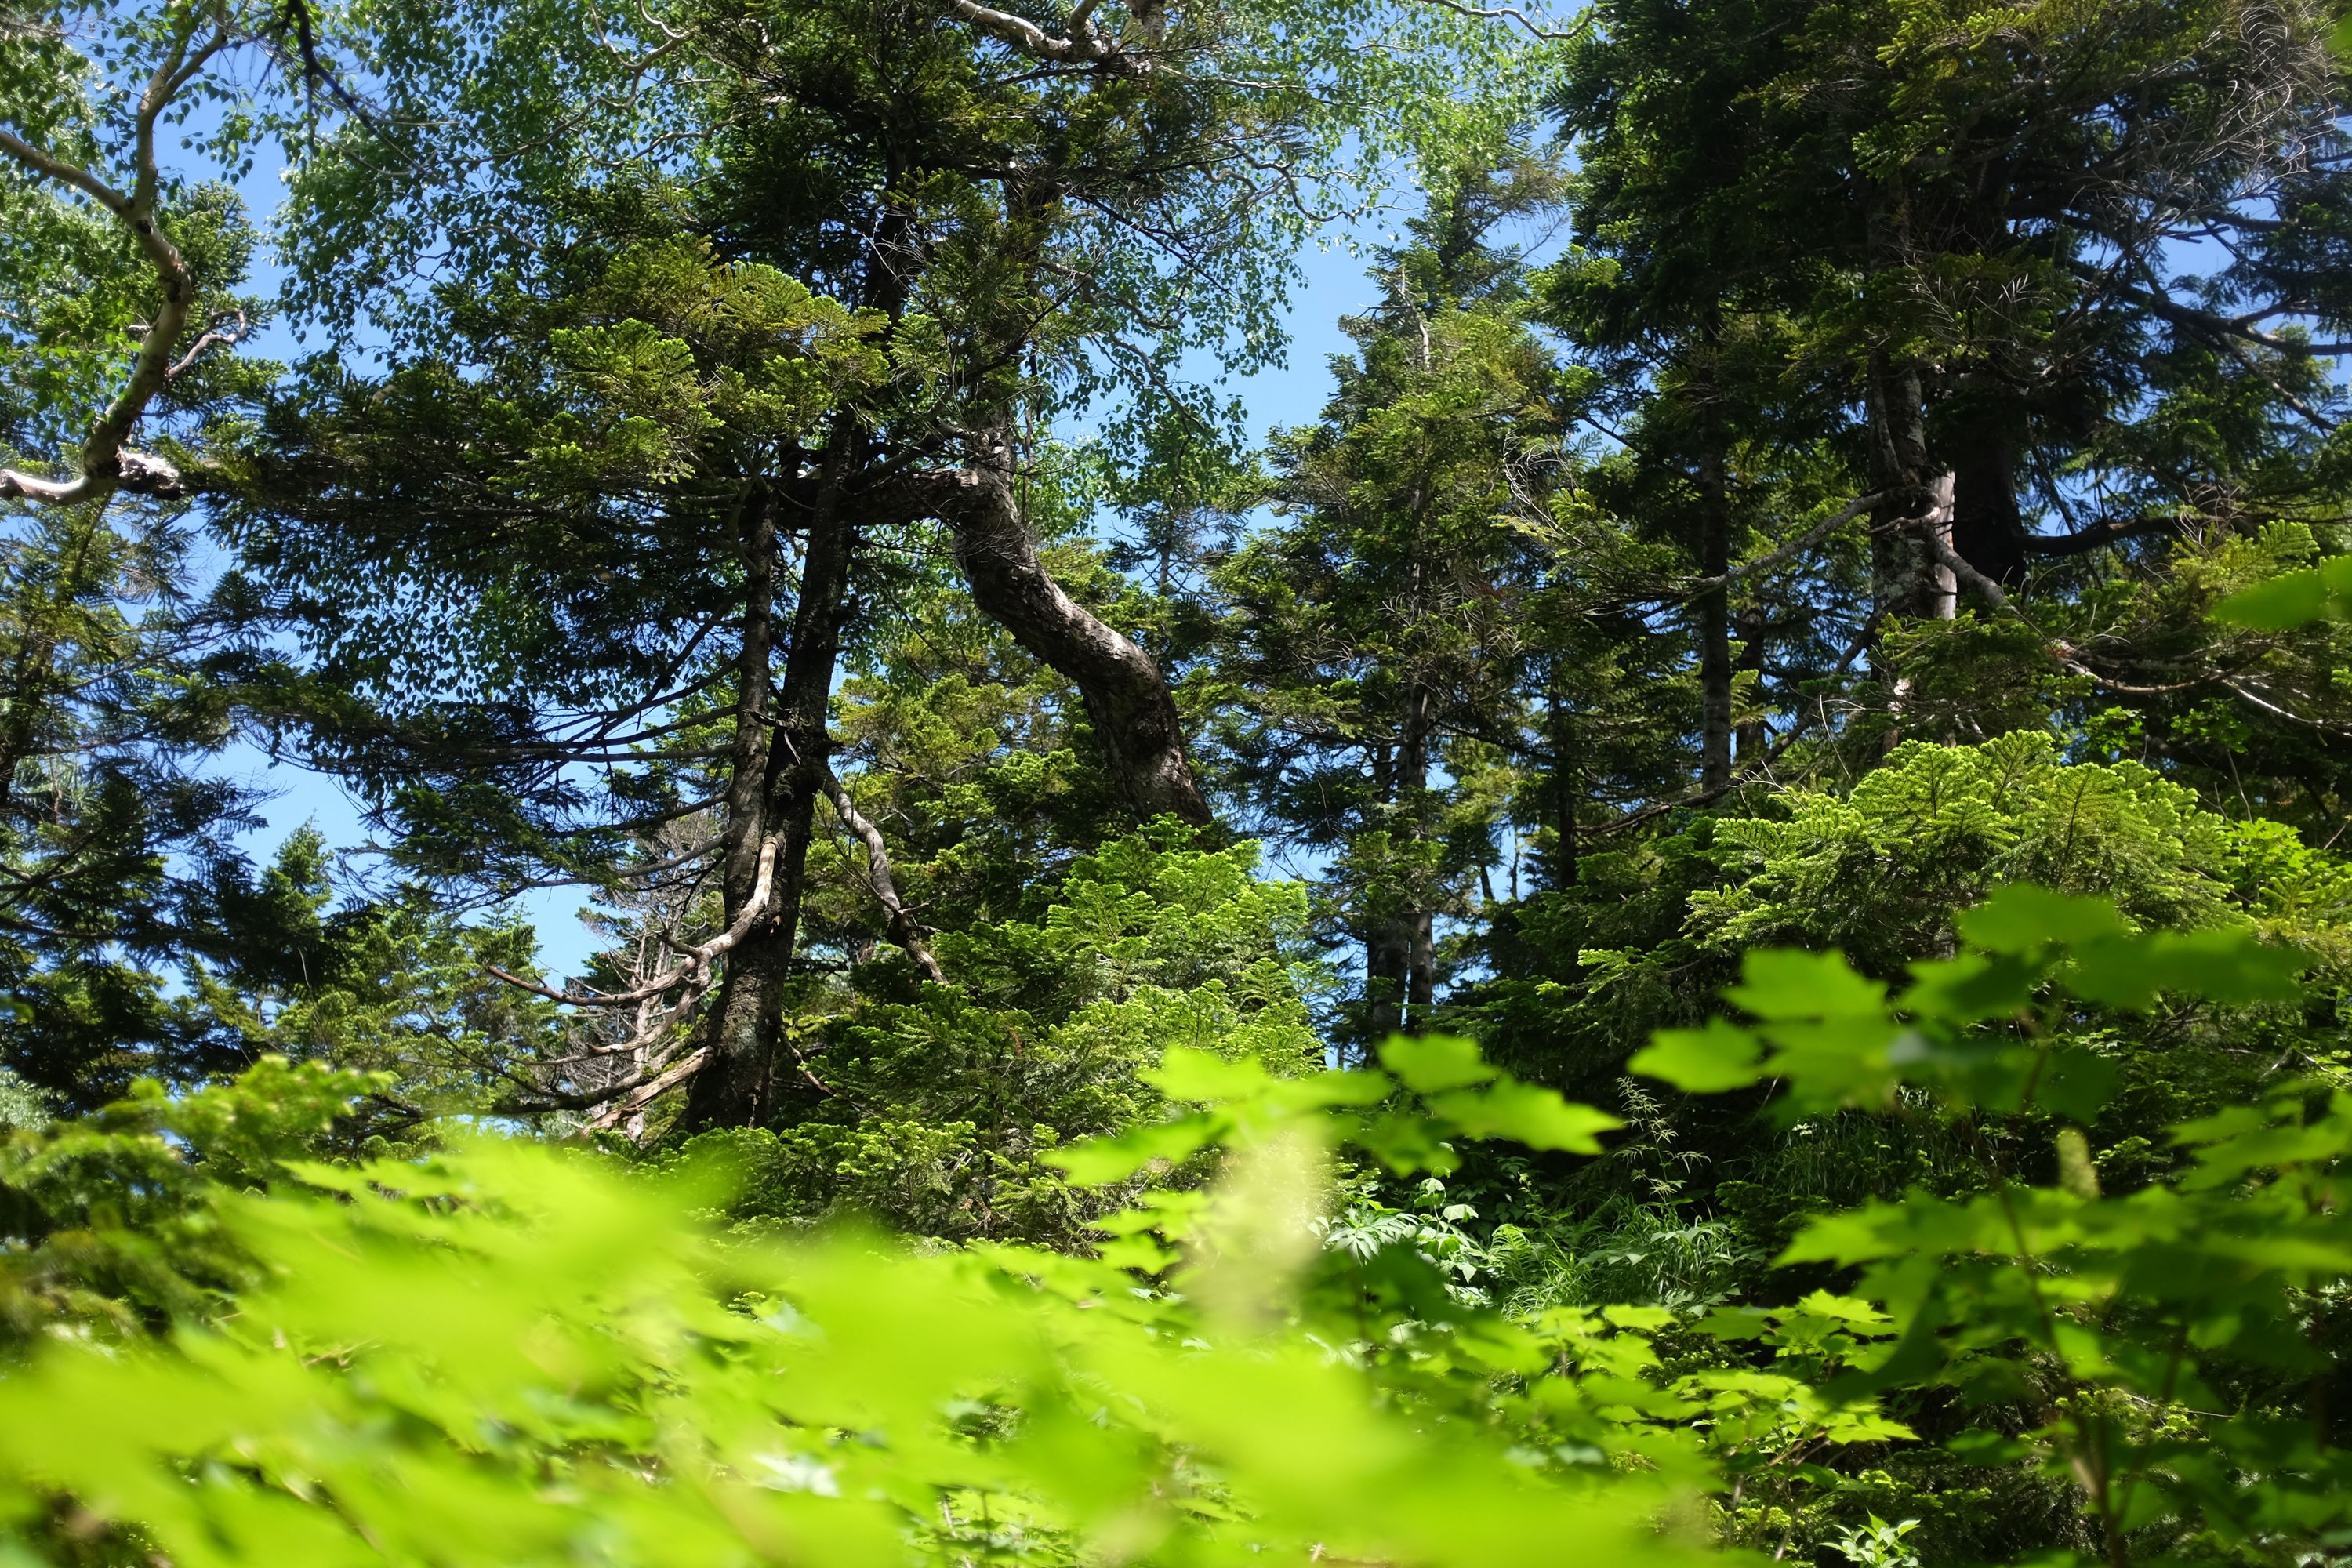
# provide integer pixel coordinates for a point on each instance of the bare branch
(215, 337)
(696, 960)
(580, 1099)
(904, 930)
(105, 465)
(644, 1094)
(1512, 12)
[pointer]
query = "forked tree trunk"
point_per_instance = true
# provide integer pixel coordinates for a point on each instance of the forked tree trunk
(737, 1084)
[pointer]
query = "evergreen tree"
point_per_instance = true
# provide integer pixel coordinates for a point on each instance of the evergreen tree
(1379, 632)
(646, 443)
(1968, 240)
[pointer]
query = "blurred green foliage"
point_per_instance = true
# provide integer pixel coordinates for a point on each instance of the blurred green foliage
(232, 1350)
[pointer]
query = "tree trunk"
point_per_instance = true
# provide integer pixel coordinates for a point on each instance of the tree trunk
(1387, 937)
(1713, 609)
(1988, 529)
(1388, 961)
(731, 1071)
(1906, 581)
(1750, 738)
(1418, 921)
(737, 1084)
(1564, 771)
(1421, 971)
(1400, 947)
(1127, 701)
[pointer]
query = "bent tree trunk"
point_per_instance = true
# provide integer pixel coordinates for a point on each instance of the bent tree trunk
(1127, 700)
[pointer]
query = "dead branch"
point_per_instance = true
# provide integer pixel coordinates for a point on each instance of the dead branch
(696, 963)
(105, 465)
(903, 927)
(635, 1099)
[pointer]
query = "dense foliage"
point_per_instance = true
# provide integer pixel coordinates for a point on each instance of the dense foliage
(1709, 920)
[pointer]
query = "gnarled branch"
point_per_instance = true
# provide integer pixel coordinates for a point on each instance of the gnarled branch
(105, 465)
(903, 928)
(695, 961)
(1127, 700)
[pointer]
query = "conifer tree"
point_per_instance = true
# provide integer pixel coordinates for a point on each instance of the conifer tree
(647, 439)
(1972, 240)
(1378, 631)
(123, 300)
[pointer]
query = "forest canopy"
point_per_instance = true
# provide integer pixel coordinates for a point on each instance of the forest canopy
(1707, 919)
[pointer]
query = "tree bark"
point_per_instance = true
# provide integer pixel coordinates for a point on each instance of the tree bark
(1399, 946)
(1564, 770)
(737, 1083)
(1126, 698)
(1388, 963)
(1750, 738)
(1907, 579)
(1421, 971)
(1418, 921)
(1988, 529)
(1713, 609)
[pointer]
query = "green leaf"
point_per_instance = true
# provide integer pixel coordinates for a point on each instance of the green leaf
(1849, 1310)
(2228, 966)
(1096, 1161)
(1734, 1323)
(1970, 988)
(1204, 1078)
(1428, 1064)
(2293, 599)
(1787, 982)
(1405, 1143)
(1137, 1254)
(1339, 1087)
(1986, 1447)
(2075, 1083)
(1717, 1056)
(1534, 1116)
(2021, 918)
